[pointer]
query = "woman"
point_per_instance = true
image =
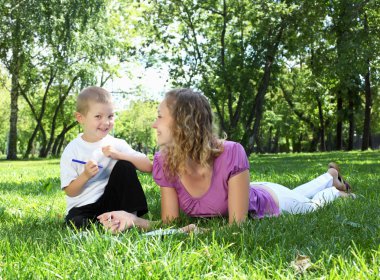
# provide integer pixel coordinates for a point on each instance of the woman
(205, 176)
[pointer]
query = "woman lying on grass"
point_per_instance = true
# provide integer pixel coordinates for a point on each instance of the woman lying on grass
(205, 176)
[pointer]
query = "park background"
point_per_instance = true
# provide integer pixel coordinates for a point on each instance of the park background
(282, 76)
(296, 82)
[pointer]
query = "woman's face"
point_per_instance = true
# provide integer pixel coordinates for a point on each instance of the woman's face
(163, 125)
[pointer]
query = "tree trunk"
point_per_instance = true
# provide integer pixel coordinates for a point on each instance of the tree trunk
(367, 112)
(276, 141)
(351, 121)
(322, 142)
(339, 123)
(269, 145)
(297, 143)
(257, 111)
(53, 125)
(30, 147)
(15, 68)
(366, 142)
(314, 141)
(58, 142)
(12, 140)
(38, 118)
(259, 105)
(301, 115)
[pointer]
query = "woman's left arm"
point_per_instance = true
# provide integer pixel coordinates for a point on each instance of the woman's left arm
(238, 197)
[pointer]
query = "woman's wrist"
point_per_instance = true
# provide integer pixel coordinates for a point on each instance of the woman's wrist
(143, 223)
(147, 225)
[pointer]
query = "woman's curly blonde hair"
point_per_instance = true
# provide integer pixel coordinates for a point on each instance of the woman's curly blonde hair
(192, 129)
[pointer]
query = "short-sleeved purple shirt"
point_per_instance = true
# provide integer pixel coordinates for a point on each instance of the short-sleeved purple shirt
(233, 160)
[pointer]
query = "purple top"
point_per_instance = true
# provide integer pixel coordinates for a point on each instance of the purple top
(233, 160)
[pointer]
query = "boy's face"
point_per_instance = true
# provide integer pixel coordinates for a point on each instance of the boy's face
(98, 121)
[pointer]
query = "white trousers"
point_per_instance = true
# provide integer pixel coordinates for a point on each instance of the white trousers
(305, 198)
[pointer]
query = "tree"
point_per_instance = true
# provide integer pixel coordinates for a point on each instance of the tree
(4, 108)
(355, 36)
(16, 34)
(134, 125)
(229, 50)
(24, 32)
(75, 44)
(371, 54)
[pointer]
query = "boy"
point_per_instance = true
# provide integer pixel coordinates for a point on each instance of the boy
(98, 171)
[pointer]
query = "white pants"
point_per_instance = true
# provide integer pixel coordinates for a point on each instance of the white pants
(305, 198)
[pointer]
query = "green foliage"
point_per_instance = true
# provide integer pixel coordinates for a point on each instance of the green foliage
(246, 56)
(4, 108)
(134, 125)
(67, 46)
(341, 240)
(242, 54)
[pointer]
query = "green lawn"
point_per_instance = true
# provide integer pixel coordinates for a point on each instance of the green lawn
(341, 240)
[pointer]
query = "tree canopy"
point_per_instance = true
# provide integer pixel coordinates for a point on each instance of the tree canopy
(280, 75)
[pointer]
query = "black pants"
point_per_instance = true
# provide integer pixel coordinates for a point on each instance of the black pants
(123, 192)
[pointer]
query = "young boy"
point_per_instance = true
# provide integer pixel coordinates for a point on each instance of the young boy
(98, 171)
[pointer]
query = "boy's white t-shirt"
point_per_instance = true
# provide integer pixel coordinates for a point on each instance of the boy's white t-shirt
(84, 151)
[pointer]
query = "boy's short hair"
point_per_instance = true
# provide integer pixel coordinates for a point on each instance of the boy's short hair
(94, 94)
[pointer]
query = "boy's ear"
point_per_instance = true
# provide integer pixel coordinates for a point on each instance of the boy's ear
(78, 117)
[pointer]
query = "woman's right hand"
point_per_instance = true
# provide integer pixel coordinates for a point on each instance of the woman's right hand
(193, 228)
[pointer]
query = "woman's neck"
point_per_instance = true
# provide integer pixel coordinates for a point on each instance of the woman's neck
(194, 168)
(196, 178)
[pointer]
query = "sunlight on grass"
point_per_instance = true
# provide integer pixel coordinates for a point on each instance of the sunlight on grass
(340, 241)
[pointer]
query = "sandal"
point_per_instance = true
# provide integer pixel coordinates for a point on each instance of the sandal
(348, 188)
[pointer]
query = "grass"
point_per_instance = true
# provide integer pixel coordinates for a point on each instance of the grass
(341, 240)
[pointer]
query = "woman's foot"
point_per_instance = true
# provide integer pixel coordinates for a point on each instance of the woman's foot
(339, 182)
(347, 195)
(333, 165)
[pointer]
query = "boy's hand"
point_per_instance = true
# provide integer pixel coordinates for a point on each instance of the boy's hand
(118, 221)
(110, 151)
(91, 168)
